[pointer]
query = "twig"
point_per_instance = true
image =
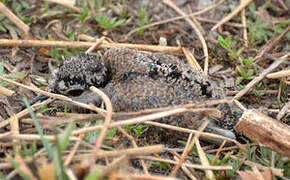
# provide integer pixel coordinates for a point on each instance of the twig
(195, 166)
(5, 91)
(31, 137)
(280, 74)
(136, 120)
(243, 4)
(266, 131)
(67, 4)
(218, 152)
(185, 130)
(129, 152)
(191, 60)
(73, 151)
(283, 5)
(85, 45)
(135, 146)
(14, 124)
(185, 169)
(244, 22)
(20, 24)
(201, 154)
(274, 65)
(275, 171)
(215, 22)
(182, 158)
(171, 20)
(195, 28)
(283, 111)
(107, 122)
(57, 96)
(188, 148)
(113, 166)
(97, 44)
(23, 113)
(120, 176)
(272, 42)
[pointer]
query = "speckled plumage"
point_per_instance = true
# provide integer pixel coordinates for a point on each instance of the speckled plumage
(136, 80)
(78, 73)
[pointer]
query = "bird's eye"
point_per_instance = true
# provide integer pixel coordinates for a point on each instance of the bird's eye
(75, 92)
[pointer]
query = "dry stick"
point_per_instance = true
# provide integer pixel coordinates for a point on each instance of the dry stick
(228, 148)
(181, 159)
(23, 113)
(5, 91)
(185, 169)
(71, 174)
(136, 120)
(115, 165)
(283, 111)
(21, 25)
(274, 65)
(201, 154)
(191, 60)
(107, 122)
(31, 137)
(148, 111)
(215, 22)
(67, 4)
(218, 152)
(92, 117)
(195, 166)
(275, 171)
(73, 151)
(266, 131)
(129, 152)
(123, 115)
(271, 44)
(195, 28)
(231, 93)
(4, 135)
(279, 74)
(283, 5)
(57, 96)
(96, 45)
(121, 176)
(243, 4)
(135, 146)
(188, 148)
(257, 172)
(175, 128)
(244, 22)
(48, 120)
(239, 105)
(171, 20)
(13, 34)
(14, 124)
(85, 45)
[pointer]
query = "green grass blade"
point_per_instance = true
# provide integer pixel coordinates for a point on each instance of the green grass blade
(93, 175)
(57, 160)
(64, 138)
(16, 165)
(44, 141)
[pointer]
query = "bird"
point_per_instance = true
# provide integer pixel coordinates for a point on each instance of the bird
(136, 80)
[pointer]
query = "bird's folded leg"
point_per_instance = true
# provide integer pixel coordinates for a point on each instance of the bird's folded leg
(40, 98)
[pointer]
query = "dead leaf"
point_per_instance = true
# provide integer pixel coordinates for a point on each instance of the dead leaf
(46, 172)
(250, 175)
